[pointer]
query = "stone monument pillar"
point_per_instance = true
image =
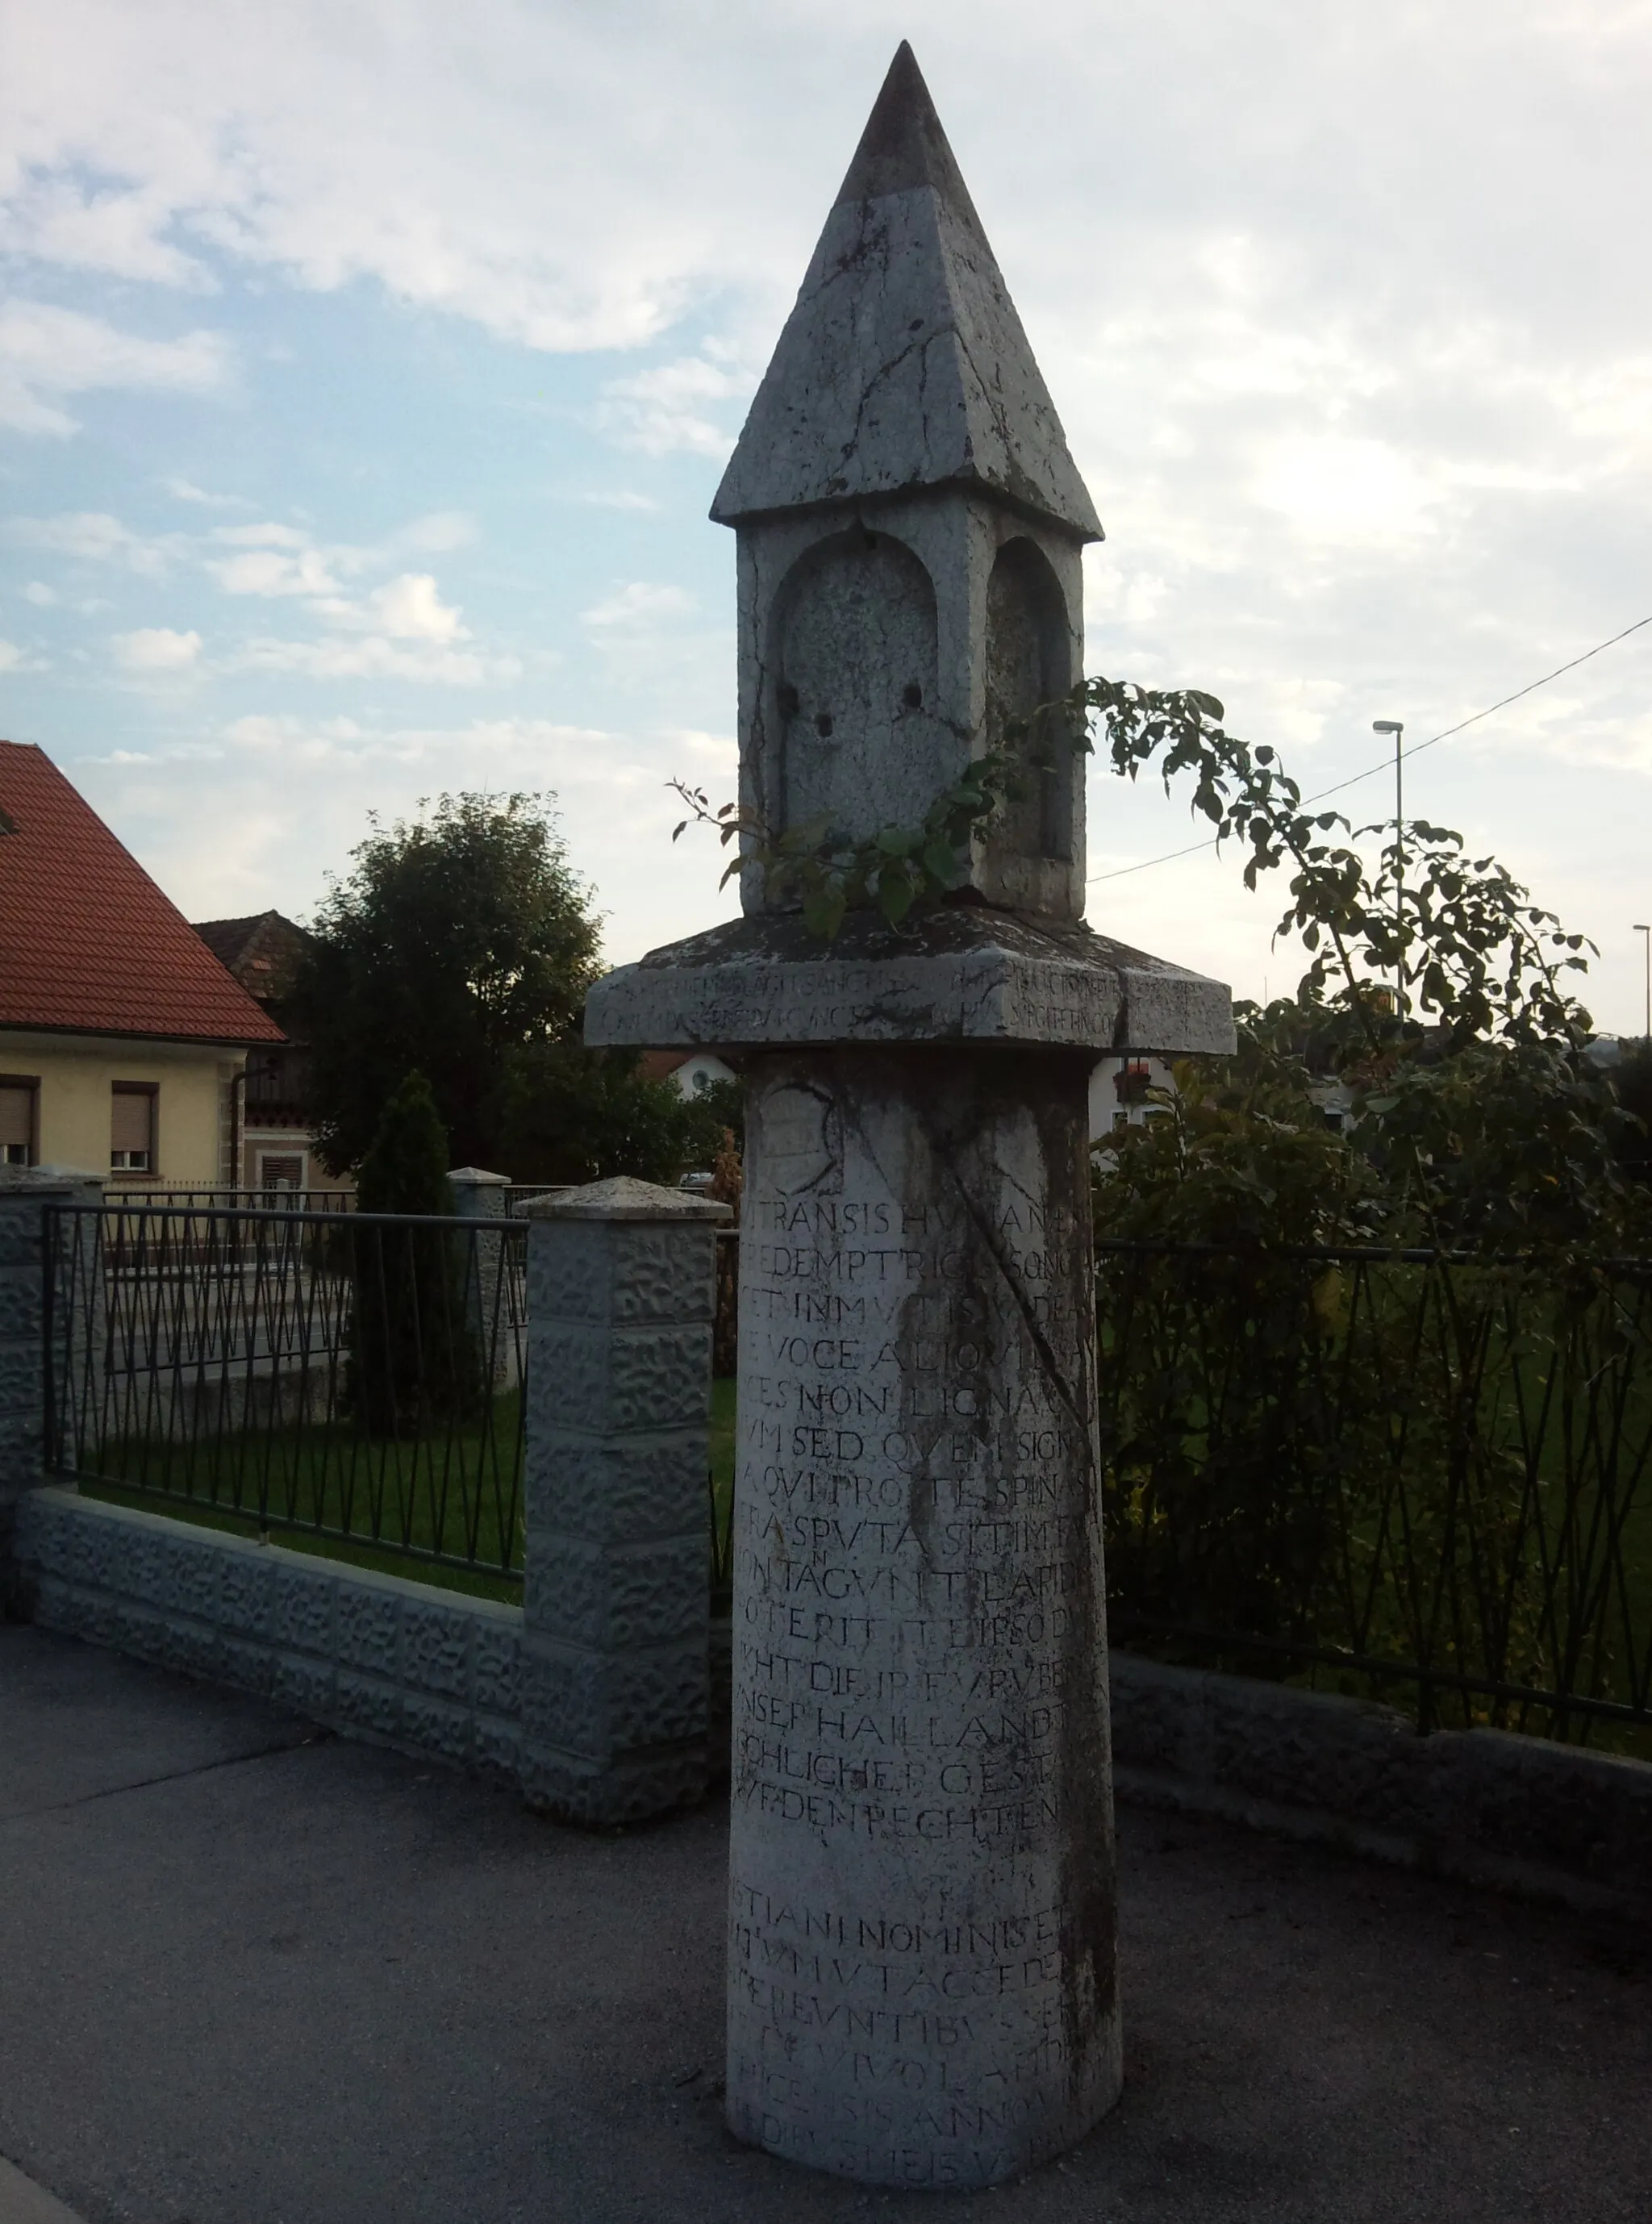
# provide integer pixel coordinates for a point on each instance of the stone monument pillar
(922, 1969)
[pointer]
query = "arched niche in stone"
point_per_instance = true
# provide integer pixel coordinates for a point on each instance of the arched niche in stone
(1029, 661)
(853, 692)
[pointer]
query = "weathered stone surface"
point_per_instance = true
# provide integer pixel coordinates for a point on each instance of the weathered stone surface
(496, 1661)
(1520, 1813)
(625, 1790)
(302, 1608)
(903, 364)
(962, 974)
(580, 1700)
(614, 1591)
(629, 1274)
(616, 1380)
(607, 1489)
(364, 1629)
(620, 1596)
(436, 1645)
(394, 1659)
(622, 1199)
(922, 1845)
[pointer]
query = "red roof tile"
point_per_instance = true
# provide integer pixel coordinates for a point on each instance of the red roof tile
(87, 941)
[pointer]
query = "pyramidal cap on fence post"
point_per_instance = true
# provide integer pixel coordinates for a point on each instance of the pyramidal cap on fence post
(616, 1597)
(26, 1193)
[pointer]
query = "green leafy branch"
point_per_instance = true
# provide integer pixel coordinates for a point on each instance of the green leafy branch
(1460, 935)
(828, 873)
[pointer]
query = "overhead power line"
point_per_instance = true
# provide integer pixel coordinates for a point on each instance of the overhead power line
(1353, 780)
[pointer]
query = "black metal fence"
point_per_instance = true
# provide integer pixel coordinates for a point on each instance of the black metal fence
(1424, 1478)
(273, 1197)
(358, 1377)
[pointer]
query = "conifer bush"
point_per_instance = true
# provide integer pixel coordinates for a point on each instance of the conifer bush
(414, 1361)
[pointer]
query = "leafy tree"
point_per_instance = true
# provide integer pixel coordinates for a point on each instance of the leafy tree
(1476, 1117)
(1631, 1083)
(406, 1168)
(1477, 1120)
(457, 941)
(413, 1359)
(570, 1115)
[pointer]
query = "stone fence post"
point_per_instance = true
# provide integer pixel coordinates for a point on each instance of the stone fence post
(479, 1195)
(616, 1599)
(25, 1193)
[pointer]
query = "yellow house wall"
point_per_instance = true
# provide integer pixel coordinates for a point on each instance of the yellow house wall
(77, 1074)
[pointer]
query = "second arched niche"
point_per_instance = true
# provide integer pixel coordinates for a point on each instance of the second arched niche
(853, 690)
(1028, 656)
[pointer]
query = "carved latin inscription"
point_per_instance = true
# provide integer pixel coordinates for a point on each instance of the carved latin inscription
(920, 1990)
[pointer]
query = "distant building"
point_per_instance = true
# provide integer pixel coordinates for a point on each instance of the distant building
(1120, 1092)
(122, 1040)
(276, 1144)
(688, 1071)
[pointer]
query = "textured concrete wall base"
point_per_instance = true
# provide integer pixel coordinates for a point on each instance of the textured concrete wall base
(400, 1663)
(1519, 1813)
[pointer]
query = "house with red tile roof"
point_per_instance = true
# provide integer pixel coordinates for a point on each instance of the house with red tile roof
(265, 953)
(122, 1040)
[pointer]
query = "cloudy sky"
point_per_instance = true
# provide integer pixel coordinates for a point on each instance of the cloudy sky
(367, 366)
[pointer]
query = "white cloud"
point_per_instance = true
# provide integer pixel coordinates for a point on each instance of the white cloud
(47, 353)
(667, 410)
(186, 490)
(1336, 489)
(14, 659)
(374, 657)
(273, 572)
(620, 498)
(157, 649)
(409, 609)
(433, 535)
(1371, 432)
(641, 602)
(68, 221)
(92, 536)
(39, 594)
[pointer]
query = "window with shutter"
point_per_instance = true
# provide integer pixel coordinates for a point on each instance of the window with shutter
(131, 1132)
(17, 1129)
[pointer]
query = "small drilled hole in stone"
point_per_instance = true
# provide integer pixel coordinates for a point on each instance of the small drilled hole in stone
(912, 696)
(789, 702)
(824, 724)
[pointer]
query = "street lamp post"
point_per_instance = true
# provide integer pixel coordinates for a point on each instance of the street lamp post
(1395, 727)
(1645, 933)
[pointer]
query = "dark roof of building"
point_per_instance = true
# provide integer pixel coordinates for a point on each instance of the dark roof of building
(88, 943)
(263, 952)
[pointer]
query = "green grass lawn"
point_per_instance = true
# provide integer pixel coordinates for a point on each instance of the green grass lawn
(391, 1505)
(291, 1484)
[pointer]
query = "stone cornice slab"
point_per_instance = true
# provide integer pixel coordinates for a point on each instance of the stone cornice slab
(960, 974)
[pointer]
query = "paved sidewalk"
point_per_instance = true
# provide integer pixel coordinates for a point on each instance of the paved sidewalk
(252, 1974)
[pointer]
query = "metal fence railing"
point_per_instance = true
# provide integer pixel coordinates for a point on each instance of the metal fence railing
(271, 1199)
(358, 1377)
(1425, 1478)
(519, 1194)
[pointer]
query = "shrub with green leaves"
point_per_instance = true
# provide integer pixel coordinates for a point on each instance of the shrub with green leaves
(414, 1365)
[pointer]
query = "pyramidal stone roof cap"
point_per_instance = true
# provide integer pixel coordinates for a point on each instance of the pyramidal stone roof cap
(622, 1196)
(903, 364)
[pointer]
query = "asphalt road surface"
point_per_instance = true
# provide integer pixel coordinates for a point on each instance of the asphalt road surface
(252, 1974)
